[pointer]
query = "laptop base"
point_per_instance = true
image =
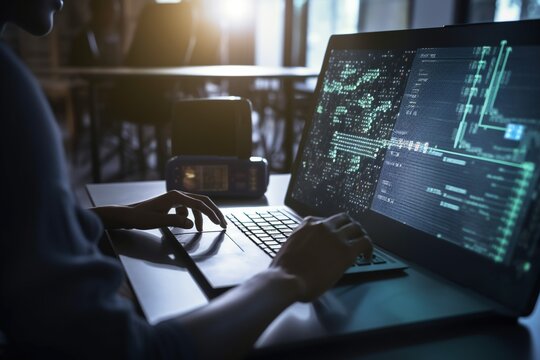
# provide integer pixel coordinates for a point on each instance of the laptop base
(380, 304)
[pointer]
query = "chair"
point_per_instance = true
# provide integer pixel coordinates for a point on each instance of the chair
(163, 38)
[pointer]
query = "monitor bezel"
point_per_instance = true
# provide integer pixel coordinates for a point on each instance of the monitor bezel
(453, 262)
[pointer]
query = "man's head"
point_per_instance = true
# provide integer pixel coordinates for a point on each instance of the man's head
(34, 16)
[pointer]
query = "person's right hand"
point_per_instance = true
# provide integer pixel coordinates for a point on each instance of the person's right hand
(320, 250)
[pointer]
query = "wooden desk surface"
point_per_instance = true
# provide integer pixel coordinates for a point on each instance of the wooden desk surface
(181, 294)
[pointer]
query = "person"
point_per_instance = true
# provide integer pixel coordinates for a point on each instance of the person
(59, 293)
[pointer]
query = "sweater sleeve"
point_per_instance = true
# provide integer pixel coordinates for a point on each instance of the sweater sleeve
(58, 293)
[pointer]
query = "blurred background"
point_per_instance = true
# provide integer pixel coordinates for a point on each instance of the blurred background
(269, 33)
(261, 29)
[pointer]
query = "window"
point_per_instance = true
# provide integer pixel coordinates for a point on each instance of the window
(327, 17)
(517, 9)
(507, 10)
(503, 10)
(269, 30)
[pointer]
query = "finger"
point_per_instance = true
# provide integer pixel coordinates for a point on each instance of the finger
(350, 231)
(362, 245)
(198, 219)
(196, 204)
(312, 219)
(180, 221)
(164, 201)
(182, 211)
(208, 202)
(337, 221)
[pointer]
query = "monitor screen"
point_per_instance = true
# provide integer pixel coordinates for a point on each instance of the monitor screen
(445, 140)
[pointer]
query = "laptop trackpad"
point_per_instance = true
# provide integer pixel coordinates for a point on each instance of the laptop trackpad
(201, 246)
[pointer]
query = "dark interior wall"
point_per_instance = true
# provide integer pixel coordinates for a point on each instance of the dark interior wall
(55, 49)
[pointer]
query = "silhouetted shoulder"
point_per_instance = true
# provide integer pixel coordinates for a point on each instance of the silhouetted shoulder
(17, 81)
(22, 102)
(30, 135)
(6, 57)
(10, 66)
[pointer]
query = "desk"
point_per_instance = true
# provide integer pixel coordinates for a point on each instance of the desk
(224, 72)
(167, 289)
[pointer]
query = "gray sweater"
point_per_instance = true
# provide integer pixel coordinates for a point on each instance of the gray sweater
(58, 293)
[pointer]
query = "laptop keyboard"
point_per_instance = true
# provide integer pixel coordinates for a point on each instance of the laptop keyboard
(270, 229)
(267, 229)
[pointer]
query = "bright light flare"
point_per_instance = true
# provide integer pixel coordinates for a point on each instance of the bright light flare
(234, 12)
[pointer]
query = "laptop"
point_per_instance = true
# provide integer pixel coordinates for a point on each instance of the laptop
(430, 139)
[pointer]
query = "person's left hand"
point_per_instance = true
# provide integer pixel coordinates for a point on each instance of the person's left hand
(154, 212)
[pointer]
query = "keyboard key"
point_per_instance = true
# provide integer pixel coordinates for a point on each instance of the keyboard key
(243, 219)
(289, 222)
(362, 262)
(267, 229)
(255, 239)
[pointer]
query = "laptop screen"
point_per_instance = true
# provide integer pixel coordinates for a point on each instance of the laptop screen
(441, 139)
